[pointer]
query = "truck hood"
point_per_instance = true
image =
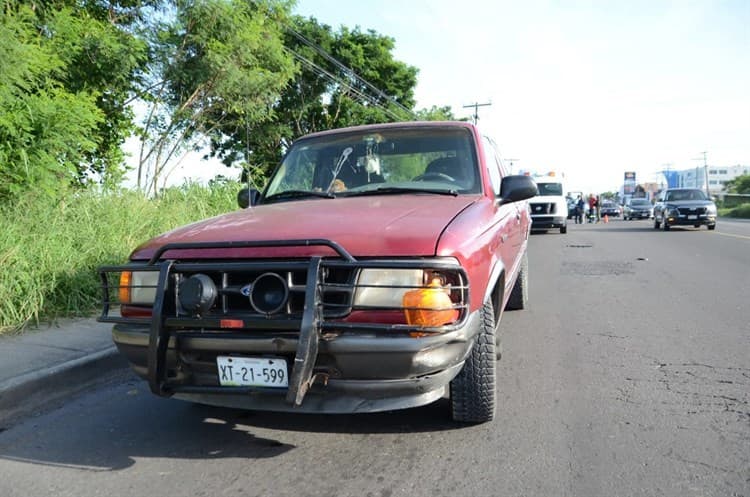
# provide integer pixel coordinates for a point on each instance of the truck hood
(383, 226)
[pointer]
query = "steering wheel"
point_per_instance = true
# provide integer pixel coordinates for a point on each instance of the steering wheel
(434, 177)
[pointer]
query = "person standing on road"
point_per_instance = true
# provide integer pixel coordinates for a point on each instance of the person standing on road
(580, 207)
(598, 209)
(592, 208)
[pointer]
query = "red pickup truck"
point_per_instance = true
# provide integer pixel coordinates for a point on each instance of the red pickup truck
(370, 274)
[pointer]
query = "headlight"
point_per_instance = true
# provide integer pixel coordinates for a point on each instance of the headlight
(377, 287)
(711, 210)
(138, 287)
(427, 297)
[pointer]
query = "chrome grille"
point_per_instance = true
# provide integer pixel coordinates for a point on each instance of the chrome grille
(685, 211)
(542, 208)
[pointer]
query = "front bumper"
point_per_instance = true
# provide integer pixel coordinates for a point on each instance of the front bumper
(640, 215)
(690, 220)
(544, 222)
(351, 373)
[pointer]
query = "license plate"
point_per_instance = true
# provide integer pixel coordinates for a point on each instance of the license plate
(252, 372)
(692, 216)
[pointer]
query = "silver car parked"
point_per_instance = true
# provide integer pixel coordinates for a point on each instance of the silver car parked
(638, 208)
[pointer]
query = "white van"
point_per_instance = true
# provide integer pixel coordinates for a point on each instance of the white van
(549, 209)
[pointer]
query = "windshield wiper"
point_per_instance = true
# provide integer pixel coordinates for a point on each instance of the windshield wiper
(289, 194)
(385, 190)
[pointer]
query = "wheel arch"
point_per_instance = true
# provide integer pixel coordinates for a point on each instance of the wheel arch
(495, 291)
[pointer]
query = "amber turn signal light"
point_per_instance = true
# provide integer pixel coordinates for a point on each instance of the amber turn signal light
(126, 278)
(430, 306)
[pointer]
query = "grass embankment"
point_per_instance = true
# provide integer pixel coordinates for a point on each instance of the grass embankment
(49, 251)
(741, 211)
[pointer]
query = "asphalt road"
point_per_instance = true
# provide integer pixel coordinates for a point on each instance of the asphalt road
(629, 375)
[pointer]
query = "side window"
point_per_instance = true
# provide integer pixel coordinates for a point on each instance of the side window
(494, 166)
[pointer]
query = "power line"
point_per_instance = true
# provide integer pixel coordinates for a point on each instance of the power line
(363, 96)
(347, 70)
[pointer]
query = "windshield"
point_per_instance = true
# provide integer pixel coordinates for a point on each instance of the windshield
(640, 202)
(677, 195)
(423, 159)
(550, 189)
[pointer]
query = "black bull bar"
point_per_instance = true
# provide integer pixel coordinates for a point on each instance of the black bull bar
(301, 377)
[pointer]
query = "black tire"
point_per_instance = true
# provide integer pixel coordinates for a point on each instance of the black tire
(472, 391)
(711, 227)
(657, 224)
(665, 225)
(564, 229)
(519, 295)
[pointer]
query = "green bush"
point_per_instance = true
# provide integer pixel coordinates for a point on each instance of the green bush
(741, 211)
(49, 251)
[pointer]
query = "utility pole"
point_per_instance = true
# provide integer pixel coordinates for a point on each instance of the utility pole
(666, 168)
(705, 169)
(476, 106)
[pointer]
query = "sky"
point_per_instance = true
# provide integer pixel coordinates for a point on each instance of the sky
(590, 89)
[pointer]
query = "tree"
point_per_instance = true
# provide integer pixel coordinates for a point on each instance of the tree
(105, 54)
(220, 65)
(68, 69)
(344, 78)
(45, 130)
(740, 184)
(436, 113)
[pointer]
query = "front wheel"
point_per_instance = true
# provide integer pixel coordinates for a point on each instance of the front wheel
(657, 224)
(711, 227)
(665, 225)
(564, 229)
(472, 391)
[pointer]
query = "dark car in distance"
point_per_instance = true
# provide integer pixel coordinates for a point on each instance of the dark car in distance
(609, 209)
(371, 274)
(684, 207)
(638, 208)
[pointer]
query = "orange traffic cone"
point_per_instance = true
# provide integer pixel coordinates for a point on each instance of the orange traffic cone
(606, 218)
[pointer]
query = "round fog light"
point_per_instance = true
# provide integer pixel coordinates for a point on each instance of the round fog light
(197, 294)
(269, 293)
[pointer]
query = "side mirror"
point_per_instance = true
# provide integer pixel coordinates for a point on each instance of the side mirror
(517, 187)
(247, 197)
